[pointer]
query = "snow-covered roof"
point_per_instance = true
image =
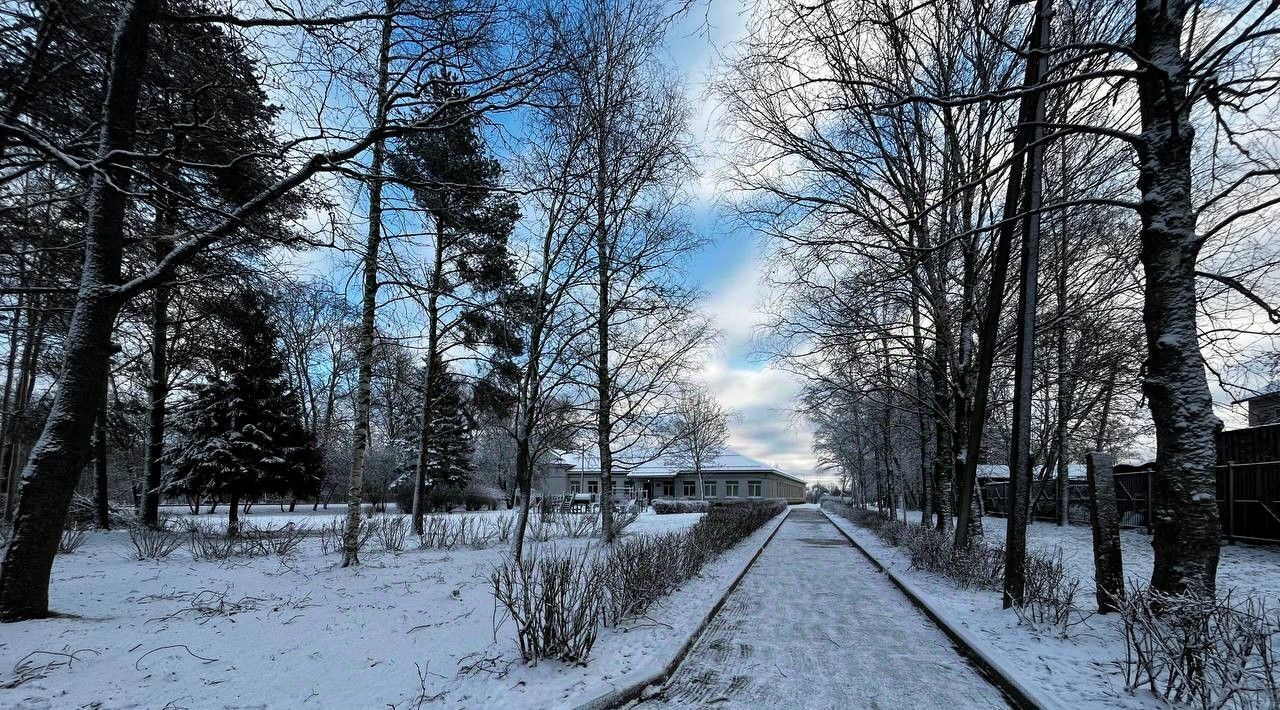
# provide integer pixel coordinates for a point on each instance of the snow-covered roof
(729, 461)
(998, 470)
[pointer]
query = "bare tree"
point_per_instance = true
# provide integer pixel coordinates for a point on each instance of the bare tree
(698, 429)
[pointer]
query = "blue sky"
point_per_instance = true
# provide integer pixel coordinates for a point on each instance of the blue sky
(728, 267)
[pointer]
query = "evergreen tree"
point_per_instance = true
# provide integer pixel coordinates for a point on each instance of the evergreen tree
(240, 432)
(449, 450)
(456, 184)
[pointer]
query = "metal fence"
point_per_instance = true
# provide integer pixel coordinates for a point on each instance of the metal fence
(1248, 500)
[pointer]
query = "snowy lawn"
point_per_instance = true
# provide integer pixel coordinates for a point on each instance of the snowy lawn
(298, 631)
(1080, 670)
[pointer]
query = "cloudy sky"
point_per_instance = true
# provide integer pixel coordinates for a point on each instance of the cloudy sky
(728, 267)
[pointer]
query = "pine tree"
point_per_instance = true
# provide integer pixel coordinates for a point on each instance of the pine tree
(456, 183)
(240, 432)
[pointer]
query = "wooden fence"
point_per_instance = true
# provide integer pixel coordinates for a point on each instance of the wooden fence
(1248, 500)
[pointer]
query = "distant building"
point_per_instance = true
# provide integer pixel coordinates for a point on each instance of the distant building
(1263, 408)
(730, 476)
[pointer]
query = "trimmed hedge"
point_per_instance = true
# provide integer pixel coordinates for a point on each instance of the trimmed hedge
(550, 596)
(667, 506)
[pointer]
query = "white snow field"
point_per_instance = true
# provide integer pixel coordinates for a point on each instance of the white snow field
(1080, 671)
(300, 632)
(773, 644)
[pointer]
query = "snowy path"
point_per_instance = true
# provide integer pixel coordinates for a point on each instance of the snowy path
(778, 642)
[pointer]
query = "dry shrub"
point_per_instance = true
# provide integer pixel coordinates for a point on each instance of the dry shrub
(1200, 652)
(392, 533)
(154, 543)
(556, 602)
(1049, 594)
(71, 540)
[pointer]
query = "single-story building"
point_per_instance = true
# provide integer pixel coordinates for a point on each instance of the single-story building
(730, 476)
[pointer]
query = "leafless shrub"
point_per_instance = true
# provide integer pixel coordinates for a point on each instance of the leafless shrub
(555, 601)
(504, 526)
(623, 518)
(71, 540)
(208, 542)
(977, 566)
(1201, 652)
(1049, 594)
(640, 570)
(154, 543)
(393, 532)
(205, 605)
(331, 535)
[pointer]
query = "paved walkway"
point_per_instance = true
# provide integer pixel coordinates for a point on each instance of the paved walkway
(815, 625)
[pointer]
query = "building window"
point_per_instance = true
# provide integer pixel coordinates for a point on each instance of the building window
(668, 489)
(731, 489)
(689, 489)
(709, 489)
(575, 487)
(593, 487)
(753, 489)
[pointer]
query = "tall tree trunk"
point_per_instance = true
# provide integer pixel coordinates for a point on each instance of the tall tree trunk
(158, 394)
(1108, 566)
(1030, 106)
(428, 379)
(1020, 463)
(102, 496)
(1185, 519)
(54, 466)
(604, 383)
(369, 306)
(1065, 383)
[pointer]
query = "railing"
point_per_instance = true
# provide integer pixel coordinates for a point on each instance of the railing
(1248, 496)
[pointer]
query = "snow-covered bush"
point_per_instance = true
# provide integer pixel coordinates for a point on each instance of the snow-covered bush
(1200, 652)
(556, 602)
(666, 506)
(154, 543)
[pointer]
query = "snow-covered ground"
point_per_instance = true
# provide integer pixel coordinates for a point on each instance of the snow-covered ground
(1080, 670)
(299, 632)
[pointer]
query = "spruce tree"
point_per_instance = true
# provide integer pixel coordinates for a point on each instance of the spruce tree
(240, 432)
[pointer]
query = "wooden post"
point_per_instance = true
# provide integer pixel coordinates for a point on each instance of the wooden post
(1107, 562)
(1231, 503)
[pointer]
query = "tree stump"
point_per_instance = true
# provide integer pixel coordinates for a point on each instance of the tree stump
(1107, 563)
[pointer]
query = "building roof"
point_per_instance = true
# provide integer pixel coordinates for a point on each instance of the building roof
(1075, 471)
(1260, 395)
(729, 461)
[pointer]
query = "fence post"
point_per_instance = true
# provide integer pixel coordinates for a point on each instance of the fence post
(1231, 502)
(1105, 520)
(1151, 529)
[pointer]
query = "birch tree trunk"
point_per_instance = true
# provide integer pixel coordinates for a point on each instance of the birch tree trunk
(1185, 516)
(58, 457)
(369, 306)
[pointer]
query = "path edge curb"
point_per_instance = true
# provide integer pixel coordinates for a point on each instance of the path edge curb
(1009, 682)
(634, 690)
